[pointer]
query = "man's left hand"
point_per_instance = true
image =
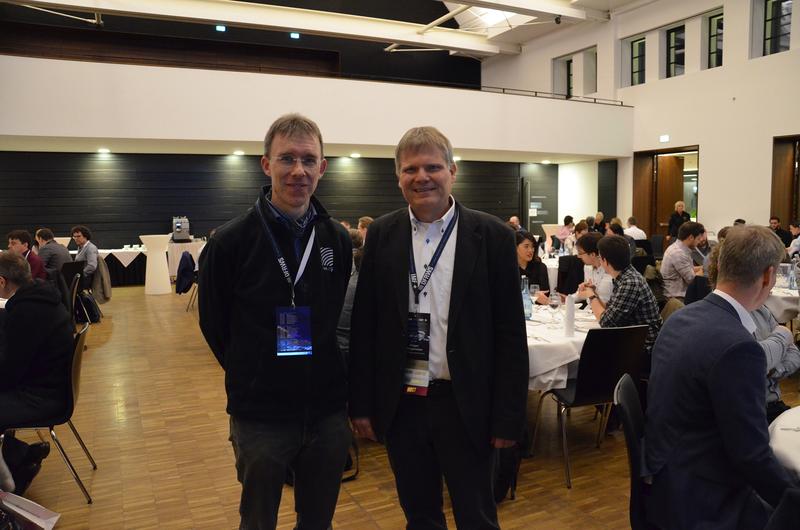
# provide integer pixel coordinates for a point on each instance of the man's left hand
(502, 443)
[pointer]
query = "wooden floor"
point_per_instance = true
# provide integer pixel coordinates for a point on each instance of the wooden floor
(152, 411)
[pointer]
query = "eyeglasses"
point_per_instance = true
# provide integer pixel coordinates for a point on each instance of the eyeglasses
(289, 161)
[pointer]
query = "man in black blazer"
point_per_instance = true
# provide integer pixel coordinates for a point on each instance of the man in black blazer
(706, 446)
(439, 361)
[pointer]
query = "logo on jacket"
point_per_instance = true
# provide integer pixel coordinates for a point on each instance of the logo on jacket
(326, 255)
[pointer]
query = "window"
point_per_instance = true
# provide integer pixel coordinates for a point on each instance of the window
(676, 51)
(715, 41)
(637, 62)
(777, 25)
(569, 78)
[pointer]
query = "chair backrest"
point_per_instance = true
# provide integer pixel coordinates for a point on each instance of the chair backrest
(555, 243)
(697, 289)
(645, 245)
(657, 244)
(607, 354)
(73, 293)
(71, 268)
(626, 398)
(77, 361)
(672, 305)
(570, 274)
(185, 273)
(640, 263)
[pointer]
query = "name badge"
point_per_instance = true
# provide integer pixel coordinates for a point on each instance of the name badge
(416, 376)
(293, 331)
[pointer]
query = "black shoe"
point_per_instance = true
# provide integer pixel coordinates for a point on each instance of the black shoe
(24, 476)
(37, 452)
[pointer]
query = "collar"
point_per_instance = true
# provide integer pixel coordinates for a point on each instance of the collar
(445, 219)
(625, 272)
(299, 226)
(744, 314)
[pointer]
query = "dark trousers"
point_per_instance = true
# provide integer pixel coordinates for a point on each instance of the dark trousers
(316, 451)
(428, 440)
(19, 408)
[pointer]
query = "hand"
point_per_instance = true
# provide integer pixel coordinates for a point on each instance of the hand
(586, 292)
(502, 443)
(542, 298)
(698, 270)
(362, 428)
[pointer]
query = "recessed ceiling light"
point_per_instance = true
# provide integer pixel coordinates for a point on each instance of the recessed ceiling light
(238, 152)
(220, 27)
(104, 150)
(355, 155)
(545, 162)
(294, 35)
(456, 158)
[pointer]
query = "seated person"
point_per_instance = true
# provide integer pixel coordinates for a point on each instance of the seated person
(707, 457)
(20, 242)
(599, 223)
(566, 230)
(794, 246)
(677, 266)
(569, 243)
(86, 252)
(599, 280)
(616, 229)
(632, 302)
(531, 266)
(775, 226)
(634, 231)
(782, 355)
(52, 253)
(36, 348)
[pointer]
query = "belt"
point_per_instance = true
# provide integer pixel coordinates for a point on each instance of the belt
(439, 388)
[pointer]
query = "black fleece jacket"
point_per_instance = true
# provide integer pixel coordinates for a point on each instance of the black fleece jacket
(241, 284)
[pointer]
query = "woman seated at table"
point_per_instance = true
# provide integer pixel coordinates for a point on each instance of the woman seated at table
(531, 266)
(794, 247)
(569, 243)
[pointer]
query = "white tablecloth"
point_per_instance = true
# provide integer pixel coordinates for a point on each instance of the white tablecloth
(784, 438)
(124, 255)
(550, 352)
(783, 304)
(552, 271)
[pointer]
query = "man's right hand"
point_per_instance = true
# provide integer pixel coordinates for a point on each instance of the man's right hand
(362, 427)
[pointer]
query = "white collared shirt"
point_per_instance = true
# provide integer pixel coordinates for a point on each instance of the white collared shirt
(635, 232)
(744, 314)
(435, 298)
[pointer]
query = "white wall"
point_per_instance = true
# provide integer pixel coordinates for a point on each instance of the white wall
(732, 112)
(577, 190)
(51, 98)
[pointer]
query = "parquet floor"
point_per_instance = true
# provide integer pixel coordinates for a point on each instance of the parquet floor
(152, 411)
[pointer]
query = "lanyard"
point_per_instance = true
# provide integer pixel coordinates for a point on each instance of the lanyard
(278, 254)
(419, 287)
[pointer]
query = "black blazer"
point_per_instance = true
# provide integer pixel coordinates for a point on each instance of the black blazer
(487, 348)
(706, 441)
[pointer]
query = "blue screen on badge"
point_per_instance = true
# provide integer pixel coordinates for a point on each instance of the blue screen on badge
(293, 331)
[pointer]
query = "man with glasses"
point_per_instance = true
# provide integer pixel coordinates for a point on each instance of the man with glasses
(20, 242)
(271, 287)
(87, 251)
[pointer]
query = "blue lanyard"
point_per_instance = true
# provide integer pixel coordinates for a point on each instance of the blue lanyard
(279, 255)
(418, 288)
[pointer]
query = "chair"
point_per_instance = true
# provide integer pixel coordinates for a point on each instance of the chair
(657, 245)
(555, 243)
(640, 263)
(697, 289)
(66, 416)
(71, 268)
(626, 398)
(570, 274)
(74, 287)
(607, 355)
(672, 305)
(645, 245)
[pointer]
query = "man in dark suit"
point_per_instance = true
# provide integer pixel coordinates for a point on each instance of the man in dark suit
(52, 253)
(784, 235)
(439, 361)
(706, 441)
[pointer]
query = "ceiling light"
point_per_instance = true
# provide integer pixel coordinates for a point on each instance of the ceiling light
(238, 152)
(294, 35)
(545, 162)
(664, 138)
(355, 155)
(104, 150)
(220, 27)
(456, 159)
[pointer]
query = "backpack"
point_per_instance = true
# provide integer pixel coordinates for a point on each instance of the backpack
(86, 308)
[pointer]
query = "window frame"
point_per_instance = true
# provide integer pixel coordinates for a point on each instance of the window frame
(772, 40)
(672, 49)
(719, 50)
(642, 61)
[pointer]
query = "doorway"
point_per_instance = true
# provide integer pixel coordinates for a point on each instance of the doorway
(785, 202)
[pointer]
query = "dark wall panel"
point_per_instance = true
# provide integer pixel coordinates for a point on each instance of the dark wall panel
(607, 188)
(541, 183)
(120, 196)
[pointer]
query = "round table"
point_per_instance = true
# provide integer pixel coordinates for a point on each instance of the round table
(156, 279)
(784, 438)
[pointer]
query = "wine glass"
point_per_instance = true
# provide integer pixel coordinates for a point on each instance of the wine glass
(534, 291)
(554, 303)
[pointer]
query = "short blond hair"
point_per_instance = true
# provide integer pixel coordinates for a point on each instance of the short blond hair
(364, 222)
(422, 139)
(746, 253)
(292, 126)
(681, 203)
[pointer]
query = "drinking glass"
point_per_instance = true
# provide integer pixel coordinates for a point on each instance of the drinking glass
(534, 291)
(555, 303)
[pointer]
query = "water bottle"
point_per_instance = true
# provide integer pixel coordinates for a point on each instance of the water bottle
(569, 318)
(793, 274)
(527, 305)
